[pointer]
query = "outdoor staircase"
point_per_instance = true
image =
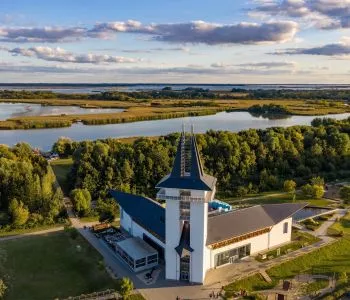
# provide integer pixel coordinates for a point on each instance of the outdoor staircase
(265, 276)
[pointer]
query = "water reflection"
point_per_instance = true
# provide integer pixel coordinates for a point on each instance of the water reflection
(270, 116)
(12, 110)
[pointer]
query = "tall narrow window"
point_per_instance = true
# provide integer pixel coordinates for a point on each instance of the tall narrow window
(285, 227)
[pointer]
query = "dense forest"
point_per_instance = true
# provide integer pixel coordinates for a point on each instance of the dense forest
(28, 194)
(188, 94)
(244, 162)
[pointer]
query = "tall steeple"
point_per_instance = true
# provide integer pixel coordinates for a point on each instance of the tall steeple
(187, 171)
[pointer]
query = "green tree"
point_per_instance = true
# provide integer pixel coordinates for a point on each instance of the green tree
(3, 288)
(125, 287)
(289, 186)
(108, 210)
(313, 191)
(81, 199)
(317, 181)
(19, 213)
(63, 146)
(345, 194)
(318, 191)
(307, 190)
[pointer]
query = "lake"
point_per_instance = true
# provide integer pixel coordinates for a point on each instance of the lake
(78, 88)
(231, 121)
(12, 110)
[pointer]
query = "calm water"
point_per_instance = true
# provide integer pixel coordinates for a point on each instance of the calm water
(95, 88)
(233, 121)
(11, 110)
(309, 212)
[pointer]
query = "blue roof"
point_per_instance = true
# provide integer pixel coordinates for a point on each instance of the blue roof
(185, 240)
(144, 211)
(187, 172)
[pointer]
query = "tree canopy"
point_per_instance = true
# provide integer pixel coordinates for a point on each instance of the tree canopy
(28, 190)
(246, 162)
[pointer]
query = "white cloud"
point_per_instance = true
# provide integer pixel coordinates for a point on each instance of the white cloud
(338, 50)
(61, 55)
(41, 35)
(203, 32)
(324, 14)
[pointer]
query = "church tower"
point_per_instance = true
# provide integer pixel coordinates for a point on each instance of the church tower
(187, 191)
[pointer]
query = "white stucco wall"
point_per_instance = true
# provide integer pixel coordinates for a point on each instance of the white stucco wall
(277, 236)
(258, 244)
(125, 221)
(199, 260)
(172, 233)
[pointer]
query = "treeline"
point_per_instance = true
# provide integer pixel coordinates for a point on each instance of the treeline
(186, 94)
(329, 94)
(28, 193)
(246, 162)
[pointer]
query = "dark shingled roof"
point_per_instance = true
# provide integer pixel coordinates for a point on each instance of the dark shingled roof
(243, 221)
(147, 212)
(184, 243)
(197, 180)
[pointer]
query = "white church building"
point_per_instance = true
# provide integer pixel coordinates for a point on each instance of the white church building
(193, 232)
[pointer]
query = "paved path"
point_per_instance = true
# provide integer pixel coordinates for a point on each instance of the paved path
(322, 230)
(23, 235)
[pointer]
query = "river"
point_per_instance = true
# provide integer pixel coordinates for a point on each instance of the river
(231, 121)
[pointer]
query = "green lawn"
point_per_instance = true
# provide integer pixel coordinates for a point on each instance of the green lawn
(51, 266)
(16, 231)
(342, 226)
(315, 286)
(281, 198)
(327, 260)
(89, 219)
(61, 168)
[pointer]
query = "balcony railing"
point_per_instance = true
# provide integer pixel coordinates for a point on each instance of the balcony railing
(162, 196)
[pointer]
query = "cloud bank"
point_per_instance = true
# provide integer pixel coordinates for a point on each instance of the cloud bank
(61, 55)
(324, 14)
(341, 49)
(203, 32)
(41, 35)
(190, 32)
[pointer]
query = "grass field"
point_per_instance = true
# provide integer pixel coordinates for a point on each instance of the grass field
(49, 267)
(327, 260)
(343, 225)
(155, 109)
(280, 198)
(61, 168)
(17, 231)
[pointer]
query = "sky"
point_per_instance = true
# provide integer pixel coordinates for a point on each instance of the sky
(175, 41)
